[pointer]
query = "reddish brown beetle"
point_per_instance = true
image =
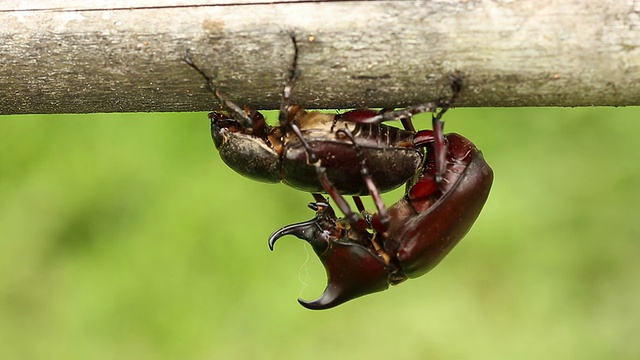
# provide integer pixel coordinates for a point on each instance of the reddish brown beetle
(424, 226)
(352, 153)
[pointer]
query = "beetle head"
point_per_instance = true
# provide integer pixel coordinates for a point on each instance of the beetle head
(353, 270)
(244, 145)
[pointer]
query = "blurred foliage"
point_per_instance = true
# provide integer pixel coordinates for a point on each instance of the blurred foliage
(124, 236)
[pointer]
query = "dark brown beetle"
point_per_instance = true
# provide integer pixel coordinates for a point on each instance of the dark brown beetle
(424, 225)
(314, 151)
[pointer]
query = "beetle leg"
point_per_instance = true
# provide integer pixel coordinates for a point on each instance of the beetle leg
(368, 217)
(310, 153)
(359, 204)
(187, 58)
(383, 215)
(456, 86)
(285, 102)
(354, 219)
(284, 117)
(440, 148)
(407, 124)
(241, 115)
(400, 114)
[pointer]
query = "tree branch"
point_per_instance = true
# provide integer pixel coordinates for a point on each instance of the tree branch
(67, 57)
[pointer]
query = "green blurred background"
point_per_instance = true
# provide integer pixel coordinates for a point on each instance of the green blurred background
(124, 236)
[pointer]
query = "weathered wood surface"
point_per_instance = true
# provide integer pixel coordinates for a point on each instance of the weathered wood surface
(116, 56)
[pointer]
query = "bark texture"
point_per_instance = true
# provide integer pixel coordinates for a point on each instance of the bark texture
(116, 56)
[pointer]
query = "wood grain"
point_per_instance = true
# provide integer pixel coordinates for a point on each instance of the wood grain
(116, 56)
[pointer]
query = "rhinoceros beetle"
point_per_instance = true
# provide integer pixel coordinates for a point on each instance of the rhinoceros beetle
(316, 152)
(354, 154)
(425, 224)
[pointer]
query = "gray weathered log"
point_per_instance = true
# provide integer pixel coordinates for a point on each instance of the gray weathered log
(116, 56)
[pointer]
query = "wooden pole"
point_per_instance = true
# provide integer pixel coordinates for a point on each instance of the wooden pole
(117, 56)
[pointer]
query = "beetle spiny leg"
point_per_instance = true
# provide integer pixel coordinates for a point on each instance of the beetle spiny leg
(368, 179)
(354, 219)
(334, 122)
(407, 124)
(312, 155)
(440, 147)
(456, 81)
(187, 58)
(359, 204)
(403, 113)
(241, 115)
(285, 103)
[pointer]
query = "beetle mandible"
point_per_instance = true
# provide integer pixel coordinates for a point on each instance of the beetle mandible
(425, 224)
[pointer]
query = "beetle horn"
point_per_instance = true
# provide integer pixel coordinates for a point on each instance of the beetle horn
(304, 230)
(352, 269)
(311, 229)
